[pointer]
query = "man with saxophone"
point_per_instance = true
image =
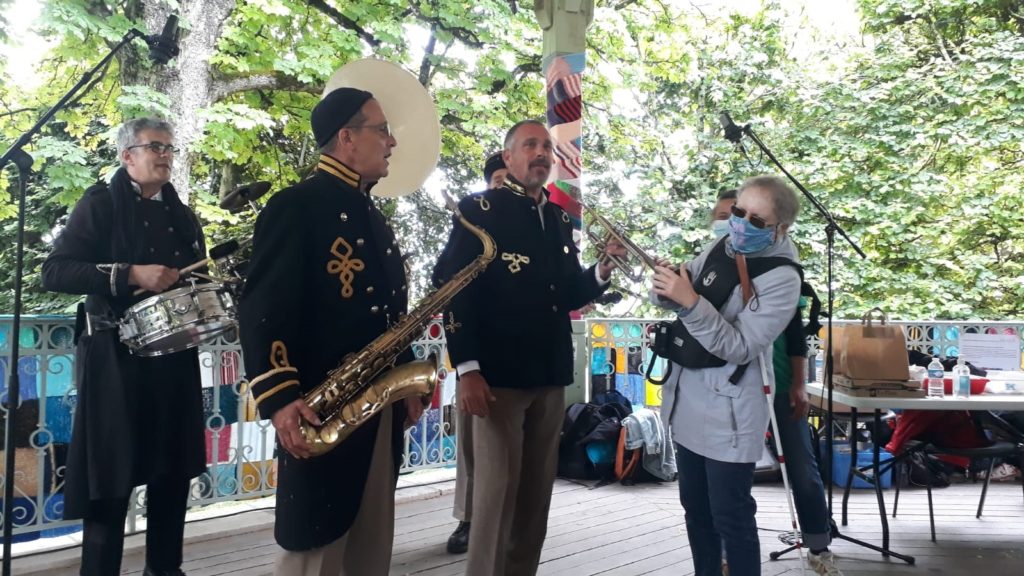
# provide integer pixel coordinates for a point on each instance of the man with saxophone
(326, 278)
(508, 335)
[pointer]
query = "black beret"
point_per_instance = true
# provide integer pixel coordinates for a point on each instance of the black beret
(334, 111)
(493, 163)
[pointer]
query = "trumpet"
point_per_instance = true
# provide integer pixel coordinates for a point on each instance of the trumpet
(609, 232)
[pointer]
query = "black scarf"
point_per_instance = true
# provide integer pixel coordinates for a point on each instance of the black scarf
(127, 247)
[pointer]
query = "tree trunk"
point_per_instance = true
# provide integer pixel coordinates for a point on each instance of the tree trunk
(187, 80)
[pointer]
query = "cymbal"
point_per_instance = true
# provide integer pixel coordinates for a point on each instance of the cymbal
(238, 198)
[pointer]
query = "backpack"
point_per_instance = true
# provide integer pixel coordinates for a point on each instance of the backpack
(587, 423)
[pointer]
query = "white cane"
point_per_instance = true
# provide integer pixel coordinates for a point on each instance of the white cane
(769, 394)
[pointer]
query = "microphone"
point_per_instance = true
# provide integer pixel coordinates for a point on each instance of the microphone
(221, 250)
(732, 132)
(164, 46)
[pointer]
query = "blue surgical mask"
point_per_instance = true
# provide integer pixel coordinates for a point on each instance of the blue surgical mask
(747, 238)
(720, 228)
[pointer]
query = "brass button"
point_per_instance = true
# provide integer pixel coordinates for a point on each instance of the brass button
(360, 241)
(552, 287)
(369, 289)
(388, 251)
(565, 249)
(534, 208)
(385, 307)
(176, 253)
(554, 308)
(343, 216)
(145, 223)
(151, 250)
(374, 309)
(170, 228)
(138, 198)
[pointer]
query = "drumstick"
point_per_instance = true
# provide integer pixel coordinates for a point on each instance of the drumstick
(181, 272)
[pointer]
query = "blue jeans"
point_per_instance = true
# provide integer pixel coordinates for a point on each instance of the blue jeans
(804, 477)
(719, 509)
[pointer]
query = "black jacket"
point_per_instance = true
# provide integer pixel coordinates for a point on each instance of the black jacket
(514, 318)
(326, 278)
(136, 418)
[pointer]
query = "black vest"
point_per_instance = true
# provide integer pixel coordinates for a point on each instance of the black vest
(716, 282)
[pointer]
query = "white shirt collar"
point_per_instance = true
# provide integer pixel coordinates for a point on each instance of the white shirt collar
(159, 196)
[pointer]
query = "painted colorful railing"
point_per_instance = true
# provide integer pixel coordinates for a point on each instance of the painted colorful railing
(240, 454)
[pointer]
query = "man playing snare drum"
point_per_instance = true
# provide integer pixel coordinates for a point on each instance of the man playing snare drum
(138, 420)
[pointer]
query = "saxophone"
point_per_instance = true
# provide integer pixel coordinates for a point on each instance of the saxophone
(366, 382)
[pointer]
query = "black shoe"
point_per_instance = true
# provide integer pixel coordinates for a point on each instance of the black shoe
(458, 542)
(150, 572)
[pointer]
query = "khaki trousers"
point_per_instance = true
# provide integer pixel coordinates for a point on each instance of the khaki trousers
(463, 509)
(515, 450)
(365, 550)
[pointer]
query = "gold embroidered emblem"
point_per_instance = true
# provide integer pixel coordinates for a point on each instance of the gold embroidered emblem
(452, 326)
(279, 355)
(345, 267)
(515, 261)
(484, 204)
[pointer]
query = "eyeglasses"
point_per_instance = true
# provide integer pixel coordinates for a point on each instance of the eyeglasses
(157, 147)
(757, 221)
(383, 128)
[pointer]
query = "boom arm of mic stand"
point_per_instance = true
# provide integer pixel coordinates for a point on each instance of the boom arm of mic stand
(25, 138)
(810, 197)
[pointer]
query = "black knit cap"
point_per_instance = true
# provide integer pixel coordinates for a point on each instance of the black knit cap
(493, 163)
(334, 111)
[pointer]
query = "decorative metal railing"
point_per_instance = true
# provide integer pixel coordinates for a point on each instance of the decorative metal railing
(240, 453)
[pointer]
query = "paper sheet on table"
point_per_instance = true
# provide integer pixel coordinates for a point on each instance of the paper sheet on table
(991, 351)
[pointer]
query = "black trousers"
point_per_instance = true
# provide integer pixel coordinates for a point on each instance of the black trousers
(103, 529)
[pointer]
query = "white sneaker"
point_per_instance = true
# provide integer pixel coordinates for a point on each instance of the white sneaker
(823, 564)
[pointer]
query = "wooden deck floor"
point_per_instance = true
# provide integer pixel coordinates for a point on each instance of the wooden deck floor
(620, 531)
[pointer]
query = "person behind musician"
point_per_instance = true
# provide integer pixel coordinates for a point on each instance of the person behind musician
(508, 334)
(458, 542)
(789, 362)
(715, 407)
(138, 420)
(326, 278)
(495, 170)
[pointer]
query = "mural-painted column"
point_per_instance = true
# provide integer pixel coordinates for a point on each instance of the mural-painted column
(564, 23)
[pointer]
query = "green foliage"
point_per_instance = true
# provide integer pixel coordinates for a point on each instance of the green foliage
(912, 139)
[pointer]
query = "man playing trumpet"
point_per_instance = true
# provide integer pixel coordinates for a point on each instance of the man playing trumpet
(509, 337)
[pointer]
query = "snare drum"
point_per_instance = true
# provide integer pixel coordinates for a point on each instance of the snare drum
(178, 319)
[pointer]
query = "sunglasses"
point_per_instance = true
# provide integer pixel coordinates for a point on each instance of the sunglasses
(756, 221)
(157, 147)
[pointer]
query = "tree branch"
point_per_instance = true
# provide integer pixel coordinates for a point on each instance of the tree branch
(532, 66)
(428, 51)
(346, 22)
(225, 86)
(467, 37)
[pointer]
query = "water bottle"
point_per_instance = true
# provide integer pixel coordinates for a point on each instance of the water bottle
(935, 375)
(961, 380)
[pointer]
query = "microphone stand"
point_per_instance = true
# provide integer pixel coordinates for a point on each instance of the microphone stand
(734, 134)
(23, 161)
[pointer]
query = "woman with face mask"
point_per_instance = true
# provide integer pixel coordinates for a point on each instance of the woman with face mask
(714, 399)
